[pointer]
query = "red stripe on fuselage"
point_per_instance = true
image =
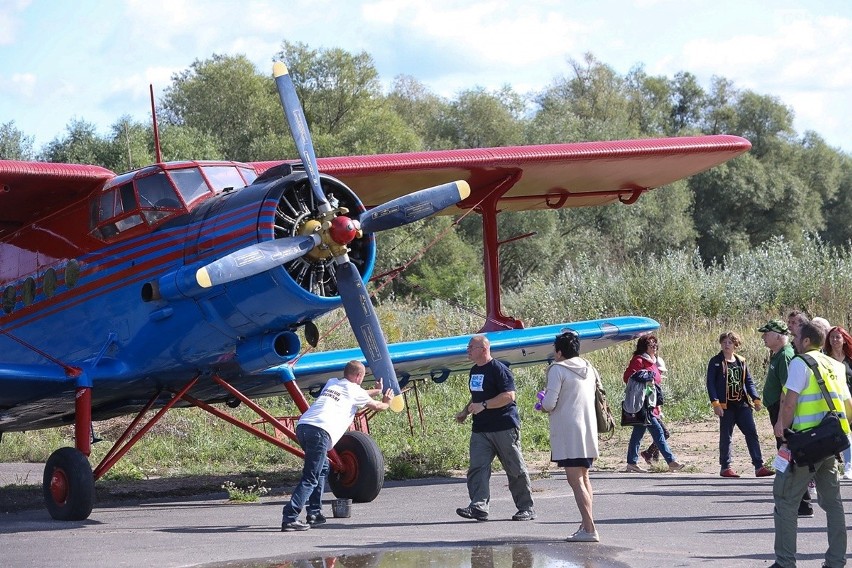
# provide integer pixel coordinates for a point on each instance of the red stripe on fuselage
(243, 218)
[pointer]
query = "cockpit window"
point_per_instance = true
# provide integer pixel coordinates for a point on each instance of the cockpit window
(222, 177)
(116, 201)
(156, 192)
(190, 183)
(158, 197)
(249, 174)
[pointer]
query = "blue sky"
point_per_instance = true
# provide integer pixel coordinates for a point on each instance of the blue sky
(93, 60)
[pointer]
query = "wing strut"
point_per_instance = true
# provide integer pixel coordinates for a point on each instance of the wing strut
(495, 319)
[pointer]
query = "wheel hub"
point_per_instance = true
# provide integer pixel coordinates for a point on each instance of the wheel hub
(59, 487)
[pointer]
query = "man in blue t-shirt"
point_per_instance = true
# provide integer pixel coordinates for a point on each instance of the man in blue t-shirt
(496, 431)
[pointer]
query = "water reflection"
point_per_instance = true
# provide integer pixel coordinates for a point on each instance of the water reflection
(519, 556)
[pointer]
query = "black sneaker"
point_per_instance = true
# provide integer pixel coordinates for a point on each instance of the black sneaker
(806, 512)
(471, 513)
(294, 526)
(524, 515)
(318, 519)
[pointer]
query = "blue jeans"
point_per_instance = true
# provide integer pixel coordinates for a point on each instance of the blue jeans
(740, 415)
(316, 443)
(657, 434)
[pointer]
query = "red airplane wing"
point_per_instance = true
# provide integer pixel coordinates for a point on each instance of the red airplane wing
(537, 177)
(32, 190)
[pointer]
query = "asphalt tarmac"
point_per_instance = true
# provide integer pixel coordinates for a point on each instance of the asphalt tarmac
(645, 521)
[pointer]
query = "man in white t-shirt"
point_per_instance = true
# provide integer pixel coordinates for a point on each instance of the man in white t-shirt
(318, 430)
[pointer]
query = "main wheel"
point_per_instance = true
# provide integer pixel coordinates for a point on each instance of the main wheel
(68, 485)
(363, 468)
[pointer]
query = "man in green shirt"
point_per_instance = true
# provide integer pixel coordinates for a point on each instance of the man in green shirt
(775, 337)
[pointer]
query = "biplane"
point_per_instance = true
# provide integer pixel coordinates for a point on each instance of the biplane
(184, 284)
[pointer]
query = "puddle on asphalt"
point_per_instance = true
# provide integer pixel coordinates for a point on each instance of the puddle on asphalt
(517, 556)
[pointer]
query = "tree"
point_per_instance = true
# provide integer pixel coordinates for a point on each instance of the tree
(649, 102)
(423, 111)
(188, 143)
(224, 97)
(14, 144)
(762, 119)
(81, 145)
(446, 270)
(591, 105)
(688, 101)
(332, 84)
(479, 119)
(719, 115)
(130, 146)
(838, 210)
(745, 202)
(818, 165)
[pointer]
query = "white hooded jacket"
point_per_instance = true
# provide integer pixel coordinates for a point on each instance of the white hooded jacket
(570, 402)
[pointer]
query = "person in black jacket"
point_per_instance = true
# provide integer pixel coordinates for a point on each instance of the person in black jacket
(734, 397)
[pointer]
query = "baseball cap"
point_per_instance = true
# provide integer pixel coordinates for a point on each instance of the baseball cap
(777, 326)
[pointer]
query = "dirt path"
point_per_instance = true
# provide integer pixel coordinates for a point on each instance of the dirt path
(694, 444)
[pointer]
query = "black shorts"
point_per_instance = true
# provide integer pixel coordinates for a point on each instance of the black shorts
(575, 462)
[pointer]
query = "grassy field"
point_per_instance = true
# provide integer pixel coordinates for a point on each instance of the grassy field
(191, 442)
(694, 304)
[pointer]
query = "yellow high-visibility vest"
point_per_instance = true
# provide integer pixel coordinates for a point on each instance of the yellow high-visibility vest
(811, 406)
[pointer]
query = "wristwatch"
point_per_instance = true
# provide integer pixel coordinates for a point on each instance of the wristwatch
(484, 404)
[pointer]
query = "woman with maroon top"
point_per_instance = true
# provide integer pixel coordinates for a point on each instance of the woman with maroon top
(645, 357)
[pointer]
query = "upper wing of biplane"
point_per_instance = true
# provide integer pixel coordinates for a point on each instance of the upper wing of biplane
(30, 191)
(536, 177)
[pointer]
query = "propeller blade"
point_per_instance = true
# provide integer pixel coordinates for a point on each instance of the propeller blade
(413, 207)
(365, 325)
(254, 259)
(298, 128)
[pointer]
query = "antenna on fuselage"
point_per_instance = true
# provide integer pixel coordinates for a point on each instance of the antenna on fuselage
(156, 130)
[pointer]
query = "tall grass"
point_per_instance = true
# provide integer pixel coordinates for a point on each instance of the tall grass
(693, 303)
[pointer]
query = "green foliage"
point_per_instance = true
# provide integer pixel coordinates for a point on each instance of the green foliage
(333, 85)
(14, 144)
(422, 110)
(198, 96)
(248, 494)
(80, 145)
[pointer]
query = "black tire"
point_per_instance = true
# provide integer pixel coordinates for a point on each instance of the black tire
(68, 485)
(363, 472)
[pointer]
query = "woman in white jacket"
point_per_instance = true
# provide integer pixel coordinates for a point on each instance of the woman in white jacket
(570, 403)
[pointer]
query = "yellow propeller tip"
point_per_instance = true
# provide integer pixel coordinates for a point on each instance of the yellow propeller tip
(464, 189)
(397, 404)
(279, 69)
(203, 278)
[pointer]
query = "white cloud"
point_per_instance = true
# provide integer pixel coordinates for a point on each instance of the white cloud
(19, 85)
(10, 20)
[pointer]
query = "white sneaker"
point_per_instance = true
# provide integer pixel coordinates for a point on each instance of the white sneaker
(582, 536)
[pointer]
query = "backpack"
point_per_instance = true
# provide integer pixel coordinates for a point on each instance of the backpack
(640, 397)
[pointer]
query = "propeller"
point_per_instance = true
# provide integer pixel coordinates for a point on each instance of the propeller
(299, 129)
(254, 259)
(333, 230)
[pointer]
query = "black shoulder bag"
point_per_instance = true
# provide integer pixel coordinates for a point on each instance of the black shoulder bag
(827, 438)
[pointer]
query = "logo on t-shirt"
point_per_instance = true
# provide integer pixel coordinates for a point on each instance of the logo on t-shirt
(476, 382)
